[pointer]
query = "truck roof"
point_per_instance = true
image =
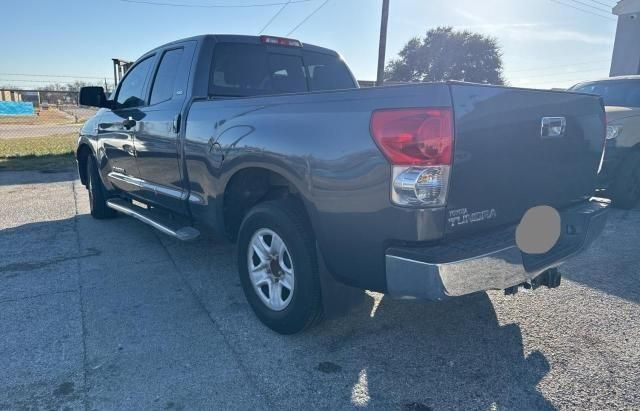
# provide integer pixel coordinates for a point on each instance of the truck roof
(238, 38)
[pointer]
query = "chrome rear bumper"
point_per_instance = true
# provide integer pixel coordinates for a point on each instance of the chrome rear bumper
(488, 262)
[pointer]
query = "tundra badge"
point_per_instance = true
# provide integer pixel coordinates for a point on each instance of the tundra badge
(462, 216)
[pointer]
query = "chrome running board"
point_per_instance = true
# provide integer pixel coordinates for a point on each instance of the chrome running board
(148, 217)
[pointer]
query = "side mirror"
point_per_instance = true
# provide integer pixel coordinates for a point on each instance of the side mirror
(94, 97)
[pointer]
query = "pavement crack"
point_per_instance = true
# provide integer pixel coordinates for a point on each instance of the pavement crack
(83, 315)
(28, 297)
(270, 403)
(30, 266)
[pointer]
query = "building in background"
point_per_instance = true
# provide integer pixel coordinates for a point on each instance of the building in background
(626, 52)
(120, 68)
(10, 95)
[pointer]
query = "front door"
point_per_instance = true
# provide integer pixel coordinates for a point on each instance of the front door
(117, 127)
(157, 142)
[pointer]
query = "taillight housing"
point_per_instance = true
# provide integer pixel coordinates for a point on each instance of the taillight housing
(418, 142)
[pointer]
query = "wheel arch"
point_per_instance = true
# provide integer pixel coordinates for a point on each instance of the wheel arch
(82, 155)
(253, 184)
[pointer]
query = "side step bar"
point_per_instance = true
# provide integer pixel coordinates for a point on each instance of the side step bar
(148, 217)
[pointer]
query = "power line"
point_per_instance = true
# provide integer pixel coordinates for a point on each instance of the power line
(604, 4)
(39, 81)
(50, 75)
(561, 66)
(589, 5)
(308, 17)
(563, 74)
(274, 17)
(583, 10)
(213, 6)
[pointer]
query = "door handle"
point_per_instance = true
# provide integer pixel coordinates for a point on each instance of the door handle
(129, 149)
(176, 123)
(129, 123)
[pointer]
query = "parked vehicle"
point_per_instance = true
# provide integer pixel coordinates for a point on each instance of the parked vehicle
(621, 169)
(416, 191)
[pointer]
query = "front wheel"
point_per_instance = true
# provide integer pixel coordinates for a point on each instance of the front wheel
(97, 193)
(278, 266)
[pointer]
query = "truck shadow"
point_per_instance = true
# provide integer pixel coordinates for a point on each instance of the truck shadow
(419, 355)
(11, 173)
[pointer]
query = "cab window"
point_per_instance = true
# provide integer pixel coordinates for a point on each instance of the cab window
(165, 78)
(132, 92)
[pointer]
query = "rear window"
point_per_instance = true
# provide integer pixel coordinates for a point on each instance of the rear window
(614, 93)
(241, 70)
(327, 72)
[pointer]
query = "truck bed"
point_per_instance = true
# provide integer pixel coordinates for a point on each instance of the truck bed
(322, 142)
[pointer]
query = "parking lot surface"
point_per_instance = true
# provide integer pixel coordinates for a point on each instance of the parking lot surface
(113, 315)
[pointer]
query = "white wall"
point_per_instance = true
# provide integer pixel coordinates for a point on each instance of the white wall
(626, 52)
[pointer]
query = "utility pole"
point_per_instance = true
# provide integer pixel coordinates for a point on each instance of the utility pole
(383, 42)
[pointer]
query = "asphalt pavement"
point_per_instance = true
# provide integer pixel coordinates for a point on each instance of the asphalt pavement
(113, 315)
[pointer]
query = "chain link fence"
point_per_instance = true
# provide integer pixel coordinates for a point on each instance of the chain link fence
(39, 129)
(40, 113)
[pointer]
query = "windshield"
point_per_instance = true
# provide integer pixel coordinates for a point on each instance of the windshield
(614, 93)
(243, 70)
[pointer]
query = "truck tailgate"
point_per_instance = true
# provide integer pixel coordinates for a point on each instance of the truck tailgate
(506, 161)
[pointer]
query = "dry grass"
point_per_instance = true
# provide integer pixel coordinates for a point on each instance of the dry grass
(49, 153)
(49, 116)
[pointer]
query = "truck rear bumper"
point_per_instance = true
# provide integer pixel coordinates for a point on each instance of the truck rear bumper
(487, 262)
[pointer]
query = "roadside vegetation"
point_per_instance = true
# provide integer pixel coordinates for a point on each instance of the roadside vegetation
(50, 153)
(447, 54)
(44, 117)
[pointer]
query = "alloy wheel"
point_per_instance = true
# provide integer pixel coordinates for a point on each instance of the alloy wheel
(271, 269)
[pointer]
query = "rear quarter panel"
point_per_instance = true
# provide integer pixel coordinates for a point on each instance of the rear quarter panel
(321, 143)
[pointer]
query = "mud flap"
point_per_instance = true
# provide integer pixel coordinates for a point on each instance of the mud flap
(337, 299)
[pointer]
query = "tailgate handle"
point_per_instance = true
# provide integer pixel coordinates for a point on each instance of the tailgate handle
(553, 127)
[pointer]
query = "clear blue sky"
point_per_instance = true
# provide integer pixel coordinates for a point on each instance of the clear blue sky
(545, 44)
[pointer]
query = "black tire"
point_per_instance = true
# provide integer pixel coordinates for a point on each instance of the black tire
(287, 220)
(97, 193)
(625, 191)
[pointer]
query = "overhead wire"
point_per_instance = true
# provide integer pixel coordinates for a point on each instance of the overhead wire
(611, 5)
(308, 17)
(51, 75)
(274, 17)
(560, 66)
(569, 73)
(39, 81)
(582, 3)
(212, 6)
(583, 10)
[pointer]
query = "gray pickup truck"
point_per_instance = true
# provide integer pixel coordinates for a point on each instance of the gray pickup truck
(417, 191)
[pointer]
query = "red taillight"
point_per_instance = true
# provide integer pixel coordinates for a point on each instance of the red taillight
(416, 136)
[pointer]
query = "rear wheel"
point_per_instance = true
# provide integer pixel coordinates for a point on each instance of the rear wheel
(626, 188)
(97, 192)
(278, 266)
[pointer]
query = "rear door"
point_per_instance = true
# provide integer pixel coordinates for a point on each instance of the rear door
(157, 142)
(515, 149)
